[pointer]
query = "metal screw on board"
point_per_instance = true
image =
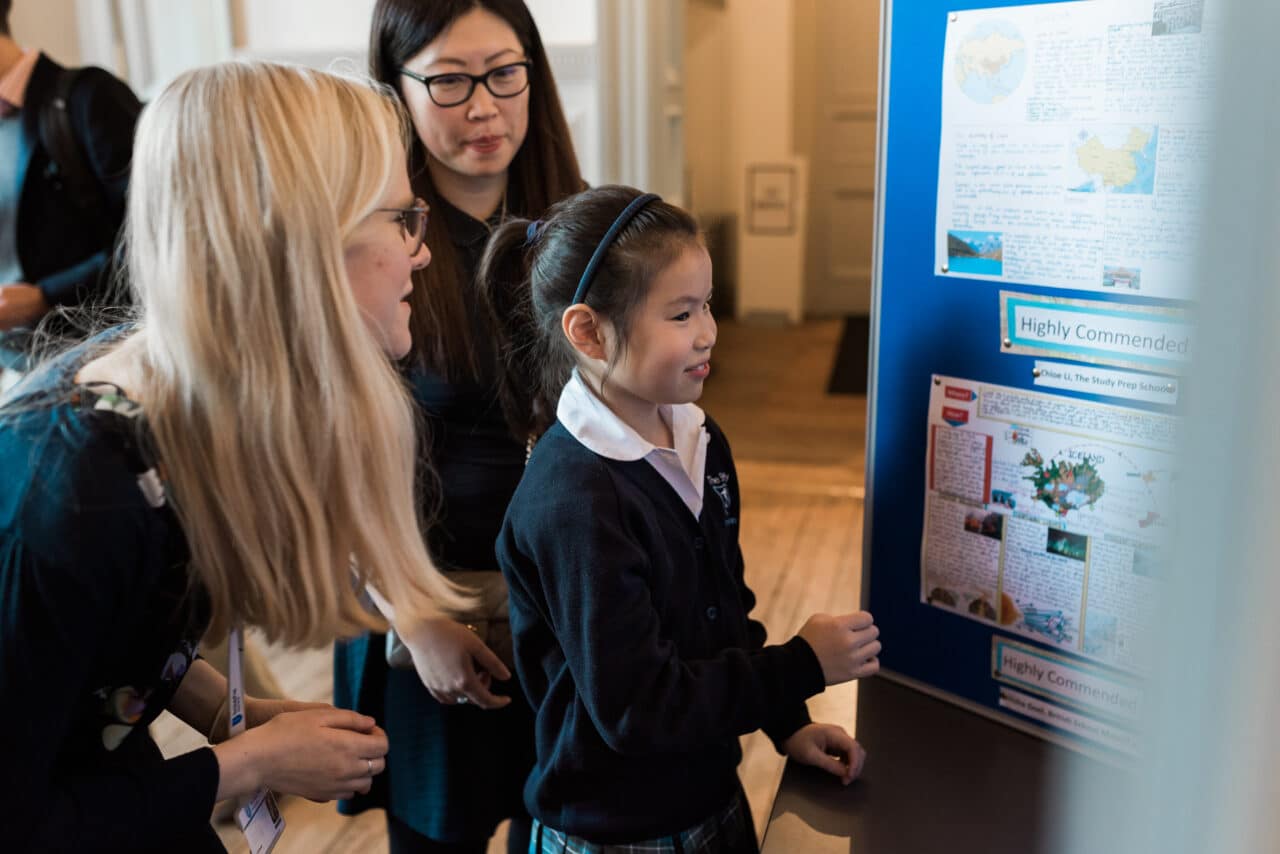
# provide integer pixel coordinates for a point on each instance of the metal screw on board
(1035, 372)
(946, 269)
(954, 17)
(1008, 343)
(1171, 388)
(937, 381)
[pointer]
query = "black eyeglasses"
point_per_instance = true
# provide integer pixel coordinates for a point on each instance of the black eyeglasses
(413, 223)
(456, 87)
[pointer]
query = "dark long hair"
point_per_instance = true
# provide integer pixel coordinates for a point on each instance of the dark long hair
(529, 273)
(447, 338)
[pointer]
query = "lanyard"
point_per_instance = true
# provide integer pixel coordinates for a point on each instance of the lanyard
(258, 816)
(235, 681)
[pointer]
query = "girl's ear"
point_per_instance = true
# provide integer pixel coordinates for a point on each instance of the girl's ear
(585, 331)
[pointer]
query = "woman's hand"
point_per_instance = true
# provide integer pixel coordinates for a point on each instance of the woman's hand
(829, 747)
(319, 753)
(258, 712)
(454, 664)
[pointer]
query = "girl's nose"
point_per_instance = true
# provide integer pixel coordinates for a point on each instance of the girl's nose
(707, 334)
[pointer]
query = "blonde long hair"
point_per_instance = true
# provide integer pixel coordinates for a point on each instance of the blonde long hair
(284, 432)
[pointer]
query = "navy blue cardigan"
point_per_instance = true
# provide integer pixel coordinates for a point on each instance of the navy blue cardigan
(633, 642)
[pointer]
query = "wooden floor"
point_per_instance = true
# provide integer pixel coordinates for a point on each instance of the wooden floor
(800, 458)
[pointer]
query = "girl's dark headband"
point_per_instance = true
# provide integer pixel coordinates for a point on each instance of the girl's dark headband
(597, 257)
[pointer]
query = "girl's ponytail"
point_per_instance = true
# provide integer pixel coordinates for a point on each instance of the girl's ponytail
(506, 303)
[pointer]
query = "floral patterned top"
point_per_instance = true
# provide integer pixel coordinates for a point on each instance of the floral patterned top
(100, 623)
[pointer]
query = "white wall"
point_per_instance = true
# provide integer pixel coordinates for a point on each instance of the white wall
(49, 25)
(294, 26)
(565, 22)
(163, 38)
(761, 93)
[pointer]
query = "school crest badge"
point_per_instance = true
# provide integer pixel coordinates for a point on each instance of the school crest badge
(719, 484)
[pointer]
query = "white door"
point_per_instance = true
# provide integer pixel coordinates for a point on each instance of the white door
(845, 38)
(642, 94)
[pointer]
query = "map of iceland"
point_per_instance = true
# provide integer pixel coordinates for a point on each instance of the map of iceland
(1114, 161)
(1064, 485)
(991, 62)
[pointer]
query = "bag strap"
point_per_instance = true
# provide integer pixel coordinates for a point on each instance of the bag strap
(66, 156)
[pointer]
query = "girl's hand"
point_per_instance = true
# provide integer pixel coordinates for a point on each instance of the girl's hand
(321, 754)
(846, 646)
(454, 664)
(829, 747)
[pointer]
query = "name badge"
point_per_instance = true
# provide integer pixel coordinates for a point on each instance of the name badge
(259, 814)
(260, 820)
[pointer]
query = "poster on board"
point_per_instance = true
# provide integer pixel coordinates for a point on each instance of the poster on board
(1074, 143)
(1045, 517)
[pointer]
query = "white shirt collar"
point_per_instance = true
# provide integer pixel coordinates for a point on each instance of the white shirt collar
(595, 425)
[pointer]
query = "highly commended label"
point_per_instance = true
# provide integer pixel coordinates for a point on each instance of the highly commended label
(1102, 333)
(1066, 681)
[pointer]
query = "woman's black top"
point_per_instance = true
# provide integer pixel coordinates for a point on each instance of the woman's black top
(100, 623)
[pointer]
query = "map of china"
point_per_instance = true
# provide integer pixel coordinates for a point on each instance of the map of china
(1117, 166)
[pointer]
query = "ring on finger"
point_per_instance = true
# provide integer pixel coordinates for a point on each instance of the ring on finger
(370, 764)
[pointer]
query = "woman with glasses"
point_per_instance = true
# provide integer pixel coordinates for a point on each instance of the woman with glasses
(243, 455)
(490, 141)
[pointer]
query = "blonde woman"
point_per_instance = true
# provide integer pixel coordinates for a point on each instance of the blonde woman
(227, 460)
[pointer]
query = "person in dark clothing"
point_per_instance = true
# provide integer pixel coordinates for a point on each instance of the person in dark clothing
(58, 219)
(243, 455)
(628, 604)
(490, 141)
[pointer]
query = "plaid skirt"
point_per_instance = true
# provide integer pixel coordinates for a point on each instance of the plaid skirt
(729, 831)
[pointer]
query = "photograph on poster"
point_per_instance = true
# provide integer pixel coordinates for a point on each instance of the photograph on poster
(1079, 134)
(980, 252)
(1067, 544)
(1177, 17)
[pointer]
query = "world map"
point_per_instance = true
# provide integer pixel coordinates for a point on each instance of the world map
(991, 62)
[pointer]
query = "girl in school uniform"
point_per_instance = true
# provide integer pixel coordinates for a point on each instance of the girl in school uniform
(620, 546)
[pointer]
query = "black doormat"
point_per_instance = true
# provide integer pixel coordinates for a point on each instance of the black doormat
(849, 372)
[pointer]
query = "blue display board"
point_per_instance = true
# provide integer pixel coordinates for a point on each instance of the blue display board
(927, 324)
